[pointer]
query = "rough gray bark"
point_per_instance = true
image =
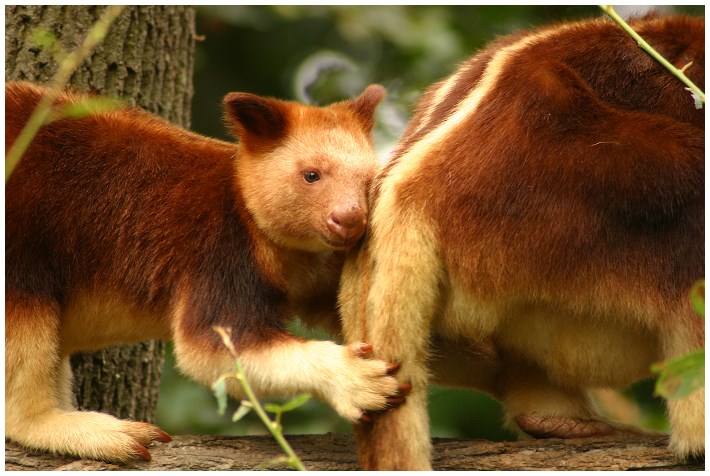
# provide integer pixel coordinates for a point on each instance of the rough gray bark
(146, 59)
(337, 452)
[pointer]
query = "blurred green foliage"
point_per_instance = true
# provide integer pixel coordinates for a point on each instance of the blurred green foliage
(320, 54)
(685, 374)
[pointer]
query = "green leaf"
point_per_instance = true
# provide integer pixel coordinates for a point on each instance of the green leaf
(272, 407)
(697, 297)
(85, 107)
(90, 106)
(48, 42)
(243, 409)
(292, 404)
(681, 376)
(295, 402)
(43, 38)
(219, 388)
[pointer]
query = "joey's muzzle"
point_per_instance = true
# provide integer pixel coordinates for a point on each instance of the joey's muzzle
(347, 222)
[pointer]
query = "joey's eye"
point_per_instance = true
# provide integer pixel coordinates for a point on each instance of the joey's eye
(311, 177)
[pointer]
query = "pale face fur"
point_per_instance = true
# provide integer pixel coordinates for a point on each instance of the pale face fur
(290, 210)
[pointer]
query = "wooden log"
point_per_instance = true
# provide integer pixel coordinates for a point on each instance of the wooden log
(337, 452)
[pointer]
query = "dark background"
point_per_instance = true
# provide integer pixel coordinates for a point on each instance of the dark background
(320, 54)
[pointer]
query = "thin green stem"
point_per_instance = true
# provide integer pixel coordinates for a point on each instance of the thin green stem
(680, 74)
(61, 78)
(273, 427)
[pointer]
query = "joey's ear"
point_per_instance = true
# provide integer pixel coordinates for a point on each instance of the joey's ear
(256, 120)
(365, 104)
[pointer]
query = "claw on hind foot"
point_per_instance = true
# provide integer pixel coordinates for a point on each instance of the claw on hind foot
(140, 452)
(162, 436)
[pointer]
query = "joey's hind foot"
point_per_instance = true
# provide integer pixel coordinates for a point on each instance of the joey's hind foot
(89, 435)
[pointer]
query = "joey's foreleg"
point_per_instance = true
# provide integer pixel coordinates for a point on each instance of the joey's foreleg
(283, 365)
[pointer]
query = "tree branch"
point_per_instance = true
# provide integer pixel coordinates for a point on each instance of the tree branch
(337, 452)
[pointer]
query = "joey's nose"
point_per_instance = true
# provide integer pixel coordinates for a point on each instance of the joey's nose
(347, 222)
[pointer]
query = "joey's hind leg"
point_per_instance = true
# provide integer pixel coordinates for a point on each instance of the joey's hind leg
(38, 405)
(65, 382)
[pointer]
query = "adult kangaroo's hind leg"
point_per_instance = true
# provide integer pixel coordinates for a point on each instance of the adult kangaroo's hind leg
(684, 334)
(536, 406)
(403, 295)
(38, 410)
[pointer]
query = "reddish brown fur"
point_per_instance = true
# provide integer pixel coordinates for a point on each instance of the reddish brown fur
(637, 198)
(121, 227)
(572, 197)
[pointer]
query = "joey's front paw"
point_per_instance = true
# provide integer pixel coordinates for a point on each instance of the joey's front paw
(365, 385)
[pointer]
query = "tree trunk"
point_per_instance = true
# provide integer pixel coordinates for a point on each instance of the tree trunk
(146, 59)
(337, 453)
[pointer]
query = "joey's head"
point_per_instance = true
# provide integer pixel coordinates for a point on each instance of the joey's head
(304, 171)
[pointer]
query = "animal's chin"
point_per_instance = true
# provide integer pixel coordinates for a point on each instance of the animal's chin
(322, 242)
(339, 244)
